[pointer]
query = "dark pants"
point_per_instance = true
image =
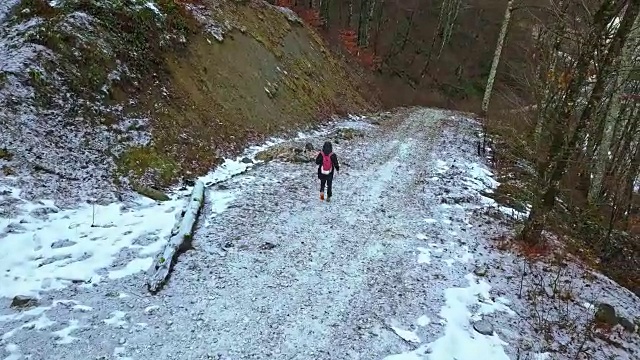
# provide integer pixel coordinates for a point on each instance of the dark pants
(328, 182)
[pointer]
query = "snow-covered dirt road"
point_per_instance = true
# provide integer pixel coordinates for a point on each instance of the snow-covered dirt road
(387, 270)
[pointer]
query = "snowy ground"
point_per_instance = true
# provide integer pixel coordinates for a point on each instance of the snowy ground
(398, 266)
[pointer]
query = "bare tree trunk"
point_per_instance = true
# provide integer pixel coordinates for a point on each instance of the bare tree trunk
(452, 8)
(602, 153)
(496, 58)
(632, 176)
(324, 13)
(545, 92)
(561, 150)
(363, 22)
(378, 20)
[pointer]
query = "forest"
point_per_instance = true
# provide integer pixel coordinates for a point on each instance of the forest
(557, 85)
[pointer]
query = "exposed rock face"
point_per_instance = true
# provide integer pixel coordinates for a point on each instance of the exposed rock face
(24, 302)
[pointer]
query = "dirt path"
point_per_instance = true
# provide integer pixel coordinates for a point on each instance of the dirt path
(327, 289)
(281, 275)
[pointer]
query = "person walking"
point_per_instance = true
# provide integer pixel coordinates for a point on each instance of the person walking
(327, 162)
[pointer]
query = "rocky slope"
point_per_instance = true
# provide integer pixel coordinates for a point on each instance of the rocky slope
(97, 97)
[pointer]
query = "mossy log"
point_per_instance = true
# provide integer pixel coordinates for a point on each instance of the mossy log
(180, 240)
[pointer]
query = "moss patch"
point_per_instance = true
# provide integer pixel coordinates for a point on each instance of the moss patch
(146, 164)
(5, 155)
(151, 193)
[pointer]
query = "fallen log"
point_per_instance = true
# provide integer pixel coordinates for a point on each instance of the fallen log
(179, 241)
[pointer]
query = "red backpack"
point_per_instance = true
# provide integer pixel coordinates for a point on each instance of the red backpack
(327, 164)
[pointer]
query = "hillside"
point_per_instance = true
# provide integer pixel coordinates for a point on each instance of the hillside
(432, 52)
(97, 97)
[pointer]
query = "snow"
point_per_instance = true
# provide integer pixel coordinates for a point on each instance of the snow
(117, 319)
(91, 237)
(5, 7)
(459, 341)
(456, 314)
(290, 14)
(204, 15)
(45, 248)
(14, 352)
(423, 320)
(386, 271)
(63, 336)
(41, 323)
(424, 257)
(481, 179)
(407, 335)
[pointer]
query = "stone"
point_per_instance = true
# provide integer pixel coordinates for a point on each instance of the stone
(309, 146)
(43, 211)
(347, 134)
(23, 302)
(265, 156)
(151, 193)
(626, 324)
(6, 154)
(480, 270)
(62, 243)
(267, 246)
(246, 160)
(526, 345)
(15, 228)
(606, 314)
(484, 327)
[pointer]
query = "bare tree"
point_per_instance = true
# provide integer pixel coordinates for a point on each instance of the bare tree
(602, 157)
(565, 135)
(496, 58)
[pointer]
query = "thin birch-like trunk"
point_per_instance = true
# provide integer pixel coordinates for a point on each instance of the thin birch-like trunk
(602, 153)
(496, 58)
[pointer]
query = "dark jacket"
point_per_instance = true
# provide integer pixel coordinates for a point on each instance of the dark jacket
(327, 149)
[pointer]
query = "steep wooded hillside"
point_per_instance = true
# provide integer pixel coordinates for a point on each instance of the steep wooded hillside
(434, 52)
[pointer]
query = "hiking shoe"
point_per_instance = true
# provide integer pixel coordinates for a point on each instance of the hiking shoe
(321, 196)
(328, 199)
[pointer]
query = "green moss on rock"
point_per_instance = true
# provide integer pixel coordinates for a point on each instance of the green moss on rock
(5, 154)
(145, 163)
(151, 193)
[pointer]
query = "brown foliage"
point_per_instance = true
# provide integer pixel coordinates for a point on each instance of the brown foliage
(311, 17)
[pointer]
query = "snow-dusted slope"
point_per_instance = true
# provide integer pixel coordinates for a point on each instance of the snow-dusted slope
(99, 97)
(400, 265)
(58, 65)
